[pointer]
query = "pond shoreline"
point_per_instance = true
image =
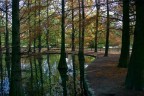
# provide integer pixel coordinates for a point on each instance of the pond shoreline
(106, 79)
(86, 53)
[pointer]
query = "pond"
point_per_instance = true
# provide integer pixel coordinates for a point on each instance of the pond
(40, 76)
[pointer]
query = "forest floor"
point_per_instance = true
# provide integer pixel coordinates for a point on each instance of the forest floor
(106, 79)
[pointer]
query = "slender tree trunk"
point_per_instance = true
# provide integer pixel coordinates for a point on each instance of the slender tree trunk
(62, 62)
(39, 33)
(124, 56)
(81, 49)
(80, 41)
(35, 28)
(107, 31)
(7, 57)
(73, 29)
(135, 75)
(79, 25)
(83, 26)
(29, 25)
(16, 77)
(47, 29)
(97, 22)
(47, 40)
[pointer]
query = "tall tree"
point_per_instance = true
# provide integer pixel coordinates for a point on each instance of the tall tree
(80, 26)
(97, 21)
(39, 25)
(16, 77)
(73, 29)
(47, 27)
(81, 46)
(124, 56)
(62, 63)
(83, 26)
(29, 25)
(35, 13)
(107, 31)
(135, 75)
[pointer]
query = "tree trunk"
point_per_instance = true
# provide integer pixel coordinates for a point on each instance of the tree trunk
(135, 75)
(124, 56)
(97, 22)
(16, 77)
(83, 26)
(39, 33)
(81, 46)
(35, 12)
(47, 28)
(62, 63)
(80, 26)
(107, 31)
(73, 30)
(29, 27)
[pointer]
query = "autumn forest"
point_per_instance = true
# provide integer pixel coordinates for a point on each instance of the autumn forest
(43, 44)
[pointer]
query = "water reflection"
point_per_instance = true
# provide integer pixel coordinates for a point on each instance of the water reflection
(64, 78)
(48, 70)
(83, 84)
(40, 76)
(74, 74)
(31, 76)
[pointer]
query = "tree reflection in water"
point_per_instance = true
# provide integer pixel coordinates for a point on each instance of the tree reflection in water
(64, 78)
(40, 76)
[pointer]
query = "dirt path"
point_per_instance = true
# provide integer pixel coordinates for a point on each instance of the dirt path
(106, 79)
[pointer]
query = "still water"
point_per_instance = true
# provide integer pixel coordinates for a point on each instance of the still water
(41, 77)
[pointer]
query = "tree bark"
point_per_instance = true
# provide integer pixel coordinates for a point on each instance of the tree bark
(62, 63)
(47, 28)
(39, 33)
(124, 56)
(29, 27)
(81, 46)
(35, 12)
(73, 30)
(16, 77)
(80, 26)
(97, 22)
(107, 31)
(135, 75)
